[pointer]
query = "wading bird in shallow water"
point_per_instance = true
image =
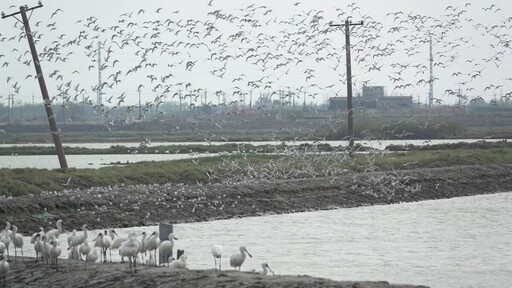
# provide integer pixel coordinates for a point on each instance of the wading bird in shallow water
(238, 259)
(217, 253)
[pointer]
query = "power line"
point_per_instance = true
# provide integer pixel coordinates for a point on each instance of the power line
(347, 25)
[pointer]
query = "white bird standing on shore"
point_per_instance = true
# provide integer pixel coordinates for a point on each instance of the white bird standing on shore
(91, 257)
(17, 241)
(217, 253)
(37, 235)
(37, 240)
(46, 249)
(84, 249)
(98, 242)
(116, 244)
(142, 249)
(238, 259)
(54, 253)
(152, 244)
(130, 249)
(166, 246)
(5, 237)
(108, 239)
(70, 237)
(4, 267)
(76, 241)
(55, 233)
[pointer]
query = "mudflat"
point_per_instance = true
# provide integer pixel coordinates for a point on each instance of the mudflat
(71, 273)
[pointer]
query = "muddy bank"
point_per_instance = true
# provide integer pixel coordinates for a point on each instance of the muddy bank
(151, 204)
(71, 273)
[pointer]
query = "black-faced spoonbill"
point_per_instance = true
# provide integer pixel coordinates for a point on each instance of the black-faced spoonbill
(130, 249)
(217, 253)
(238, 259)
(37, 240)
(166, 246)
(98, 242)
(107, 241)
(55, 232)
(55, 252)
(4, 267)
(5, 237)
(116, 244)
(180, 263)
(91, 257)
(77, 240)
(266, 268)
(152, 244)
(17, 241)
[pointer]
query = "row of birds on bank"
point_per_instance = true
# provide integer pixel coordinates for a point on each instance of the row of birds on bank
(47, 248)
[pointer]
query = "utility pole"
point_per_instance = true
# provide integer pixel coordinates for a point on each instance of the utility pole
(63, 110)
(9, 107)
(293, 100)
(250, 100)
(181, 99)
(99, 92)
(21, 111)
(32, 108)
(304, 104)
(140, 107)
(347, 25)
(42, 83)
(83, 109)
(431, 82)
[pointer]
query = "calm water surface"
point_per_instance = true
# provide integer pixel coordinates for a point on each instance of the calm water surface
(460, 242)
(87, 161)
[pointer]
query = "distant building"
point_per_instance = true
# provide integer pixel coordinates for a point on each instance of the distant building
(373, 92)
(373, 98)
(394, 104)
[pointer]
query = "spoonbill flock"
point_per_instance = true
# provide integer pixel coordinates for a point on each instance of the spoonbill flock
(48, 249)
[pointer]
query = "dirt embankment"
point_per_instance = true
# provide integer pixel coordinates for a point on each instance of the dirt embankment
(151, 204)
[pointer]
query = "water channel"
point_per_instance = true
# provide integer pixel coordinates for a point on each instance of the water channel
(101, 160)
(459, 242)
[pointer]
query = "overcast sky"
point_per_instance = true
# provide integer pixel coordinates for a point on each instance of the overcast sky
(458, 51)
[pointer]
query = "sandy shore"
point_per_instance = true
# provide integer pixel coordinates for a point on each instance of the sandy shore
(71, 273)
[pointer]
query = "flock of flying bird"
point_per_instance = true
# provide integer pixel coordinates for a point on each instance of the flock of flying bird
(162, 52)
(48, 249)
